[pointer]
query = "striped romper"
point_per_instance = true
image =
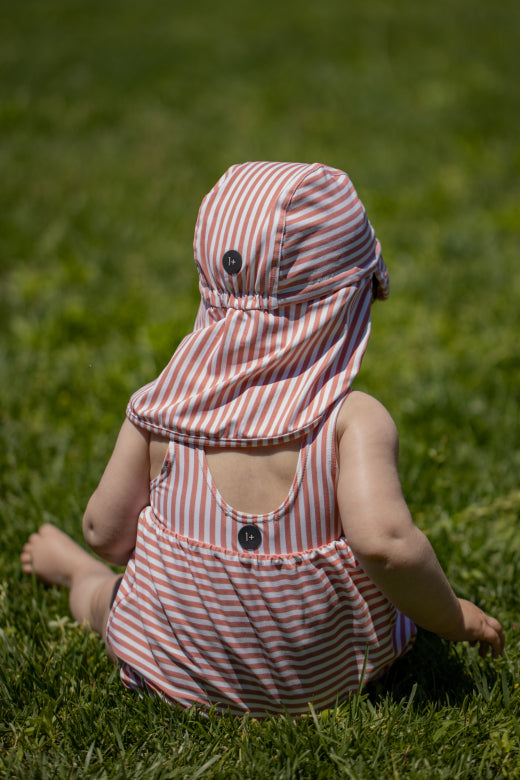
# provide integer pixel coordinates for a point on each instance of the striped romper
(259, 613)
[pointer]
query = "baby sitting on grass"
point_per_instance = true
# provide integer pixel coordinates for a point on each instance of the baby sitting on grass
(253, 495)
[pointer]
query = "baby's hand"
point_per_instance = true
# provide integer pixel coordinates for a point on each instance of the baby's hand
(475, 627)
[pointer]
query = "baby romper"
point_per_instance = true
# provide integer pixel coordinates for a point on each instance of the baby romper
(259, 613)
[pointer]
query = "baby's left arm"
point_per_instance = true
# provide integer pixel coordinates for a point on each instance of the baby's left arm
(110, 519)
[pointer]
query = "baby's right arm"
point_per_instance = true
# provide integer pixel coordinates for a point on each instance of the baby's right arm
(110, 519)
(395, 554)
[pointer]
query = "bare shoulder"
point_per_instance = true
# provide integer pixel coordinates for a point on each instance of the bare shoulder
(368, 487)
(363, 416)
(140, 443)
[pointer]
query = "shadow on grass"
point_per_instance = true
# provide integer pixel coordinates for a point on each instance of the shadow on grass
(433, 667)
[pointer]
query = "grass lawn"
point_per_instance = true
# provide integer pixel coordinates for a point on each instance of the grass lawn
(115, 119)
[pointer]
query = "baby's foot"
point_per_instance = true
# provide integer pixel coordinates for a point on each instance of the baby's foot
(54, 557)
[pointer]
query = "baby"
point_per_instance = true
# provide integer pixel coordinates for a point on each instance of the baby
(253, 495)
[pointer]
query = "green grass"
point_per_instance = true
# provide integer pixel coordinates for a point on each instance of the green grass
(115, 119)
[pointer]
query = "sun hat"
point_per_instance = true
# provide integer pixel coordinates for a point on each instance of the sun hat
(287, 260)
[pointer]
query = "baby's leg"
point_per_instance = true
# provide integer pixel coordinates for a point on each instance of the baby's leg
(57, 560)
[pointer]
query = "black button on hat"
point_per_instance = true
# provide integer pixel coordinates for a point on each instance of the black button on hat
(232, 261)
(250, 537)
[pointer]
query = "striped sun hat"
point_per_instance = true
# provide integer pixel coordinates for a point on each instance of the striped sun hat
(287, 260)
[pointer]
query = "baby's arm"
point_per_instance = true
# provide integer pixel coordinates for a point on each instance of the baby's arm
(378, 526)
(110, 519)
